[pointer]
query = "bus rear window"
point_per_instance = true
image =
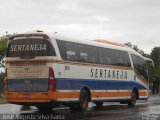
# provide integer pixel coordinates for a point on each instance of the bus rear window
(30, 48)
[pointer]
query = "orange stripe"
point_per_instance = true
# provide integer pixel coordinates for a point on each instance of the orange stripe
(33, 97)
(63, 95)
(67, 95)
(95, 94)
(47, 97)
(75, 94)
(111, 94)
(111, 43)
(143, 93)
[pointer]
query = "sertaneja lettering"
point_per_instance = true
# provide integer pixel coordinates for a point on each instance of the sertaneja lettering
(108, 74)
(32, 47)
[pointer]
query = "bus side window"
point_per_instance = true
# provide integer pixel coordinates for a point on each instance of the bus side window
(71, 55)
(101, 60)
(139, 65)
(120, 62)
(83, 57)
(88, 53)
(72, 51)
(91, 59)
(62, 49)
(68, 50)
(108, 60)
(106, 56)
(122, 59)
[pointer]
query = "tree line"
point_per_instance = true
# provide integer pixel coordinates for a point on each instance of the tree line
(3, 48)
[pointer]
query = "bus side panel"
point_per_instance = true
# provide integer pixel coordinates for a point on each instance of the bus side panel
(142, 87)
(104, 83)
(80, 77)
(62, 85)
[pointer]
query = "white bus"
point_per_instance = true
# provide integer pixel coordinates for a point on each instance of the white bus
(47, 70)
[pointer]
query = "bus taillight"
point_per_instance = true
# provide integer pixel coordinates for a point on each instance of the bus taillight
(51, 79)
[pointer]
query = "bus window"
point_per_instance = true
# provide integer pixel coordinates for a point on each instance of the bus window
(72, 51)
(140, 65)
(88, 53)
(68, 50)
(106, 56)
(30, 47)
(122, 59)
(62, 49)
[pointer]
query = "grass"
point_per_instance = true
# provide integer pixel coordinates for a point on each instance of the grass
(2, 100)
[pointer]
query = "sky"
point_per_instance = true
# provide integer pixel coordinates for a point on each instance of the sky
(135, 21)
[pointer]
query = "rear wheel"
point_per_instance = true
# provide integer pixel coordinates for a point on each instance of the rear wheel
(132, 102)
(84, 101)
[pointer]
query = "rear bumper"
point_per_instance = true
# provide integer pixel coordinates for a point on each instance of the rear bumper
(34, 97)
(33, 102)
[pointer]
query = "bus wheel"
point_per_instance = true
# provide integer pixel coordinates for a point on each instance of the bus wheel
(84, 101)
(132, 102)
(99, 104)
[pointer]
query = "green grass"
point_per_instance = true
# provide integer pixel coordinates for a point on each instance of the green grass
(2, 100)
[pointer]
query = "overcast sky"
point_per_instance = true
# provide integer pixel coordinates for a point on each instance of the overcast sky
(135, 21)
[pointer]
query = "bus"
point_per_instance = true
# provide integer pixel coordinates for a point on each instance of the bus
(47, 70)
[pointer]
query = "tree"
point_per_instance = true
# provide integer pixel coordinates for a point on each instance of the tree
(1, 83)
(155, 56)
(155, 73)
(135, 47)
(3, 48)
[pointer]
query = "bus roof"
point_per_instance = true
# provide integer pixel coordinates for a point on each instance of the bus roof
(97, 42)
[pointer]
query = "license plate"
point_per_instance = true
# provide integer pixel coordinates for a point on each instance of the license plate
(26, 95)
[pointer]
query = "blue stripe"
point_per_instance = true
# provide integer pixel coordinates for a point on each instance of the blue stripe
(78, 84)
(32, 85)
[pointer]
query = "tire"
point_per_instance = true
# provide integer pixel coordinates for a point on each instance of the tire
(84, 101)
(99, 104)
(132, 102)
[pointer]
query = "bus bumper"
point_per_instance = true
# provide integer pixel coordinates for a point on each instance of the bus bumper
(27, 97)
